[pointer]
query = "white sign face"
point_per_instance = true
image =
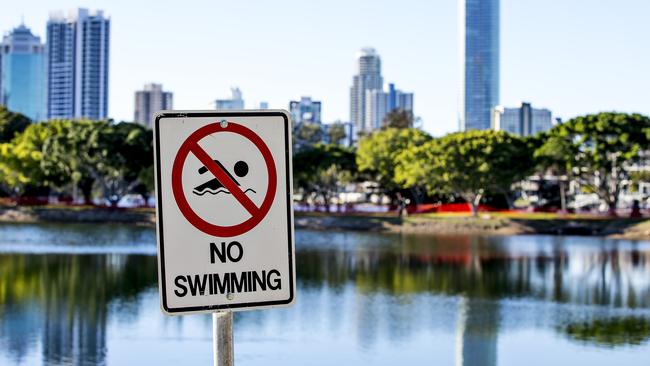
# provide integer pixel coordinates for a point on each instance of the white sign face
(224, 213)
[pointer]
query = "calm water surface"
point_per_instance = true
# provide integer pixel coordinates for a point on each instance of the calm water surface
(86, 294)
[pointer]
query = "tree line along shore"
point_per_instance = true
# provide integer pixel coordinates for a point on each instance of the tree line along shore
(102, 161)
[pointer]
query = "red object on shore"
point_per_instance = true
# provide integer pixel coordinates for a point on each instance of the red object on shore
(31, 201)
(448, 207)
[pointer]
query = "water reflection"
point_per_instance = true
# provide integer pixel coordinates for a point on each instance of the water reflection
(570, 270)
(61, 302)
(369, 290)
(476, 335)
(611, 332)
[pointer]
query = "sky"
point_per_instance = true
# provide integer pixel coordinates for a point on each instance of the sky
(573, 57)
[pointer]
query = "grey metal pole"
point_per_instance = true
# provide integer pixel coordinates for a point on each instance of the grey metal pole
(222, 340)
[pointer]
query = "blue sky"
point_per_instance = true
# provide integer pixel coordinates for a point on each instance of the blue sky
(573, 57)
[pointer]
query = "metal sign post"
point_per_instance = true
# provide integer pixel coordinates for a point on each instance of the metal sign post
(222, 339)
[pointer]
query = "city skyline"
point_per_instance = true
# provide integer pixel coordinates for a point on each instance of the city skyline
(547, 54)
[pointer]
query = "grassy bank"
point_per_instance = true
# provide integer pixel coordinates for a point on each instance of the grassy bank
(488, 224)
(90, 214)
(485, 224)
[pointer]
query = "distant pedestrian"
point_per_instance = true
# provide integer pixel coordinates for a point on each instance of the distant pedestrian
(401, 206)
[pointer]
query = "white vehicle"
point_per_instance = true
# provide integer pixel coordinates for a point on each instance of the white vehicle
(131, 200)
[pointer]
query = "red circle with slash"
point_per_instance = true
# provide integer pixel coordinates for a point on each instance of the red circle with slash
(191, 145)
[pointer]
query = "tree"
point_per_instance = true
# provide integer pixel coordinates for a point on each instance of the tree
(146, 180)
(63, 153)
(22, 159)
(307, 134)
(336, 133)
(377, 153)
(321, 169)
(550, 156)
(398, 118)
(596, 151)
(468, 164)
(72, 153)
(11, 124)
(125, 151)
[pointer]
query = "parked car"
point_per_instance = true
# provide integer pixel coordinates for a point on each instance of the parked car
(131, 200)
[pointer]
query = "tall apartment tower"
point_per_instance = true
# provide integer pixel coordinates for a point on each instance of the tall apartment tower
(77, 66)
(368, 78)
(22, 73)
(149, 101)
(479, 47)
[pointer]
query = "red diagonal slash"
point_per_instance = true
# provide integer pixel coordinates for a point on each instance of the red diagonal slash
(224, 179)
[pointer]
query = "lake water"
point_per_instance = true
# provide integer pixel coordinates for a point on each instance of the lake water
(87, 294)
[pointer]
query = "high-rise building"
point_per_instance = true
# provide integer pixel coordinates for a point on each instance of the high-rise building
(368, 77)
(305, 110)
(235, 101)
(479, 47)
(376, 108)
(523, 120)
(22, 73)
(149, 101)
(379, 103)
(77, 65)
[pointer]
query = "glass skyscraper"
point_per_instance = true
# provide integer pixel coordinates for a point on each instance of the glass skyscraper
(22, 73)
(479, 33)
(77, 48)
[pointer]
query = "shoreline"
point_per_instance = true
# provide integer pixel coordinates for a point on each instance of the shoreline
(486, 224)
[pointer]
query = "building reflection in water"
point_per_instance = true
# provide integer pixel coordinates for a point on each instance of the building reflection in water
(62, 302)
(476, 333)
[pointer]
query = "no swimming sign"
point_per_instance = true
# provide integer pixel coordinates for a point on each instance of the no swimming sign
(224, 215)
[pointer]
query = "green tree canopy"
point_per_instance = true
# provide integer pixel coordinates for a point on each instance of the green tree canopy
(468, 164)
(320, 169)
(307, 134)
(336, 133)
(126, 153)
(22, 159)
(60, 154)
(377, 152)
(597, 150)
(11, 124)
(398, 118)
